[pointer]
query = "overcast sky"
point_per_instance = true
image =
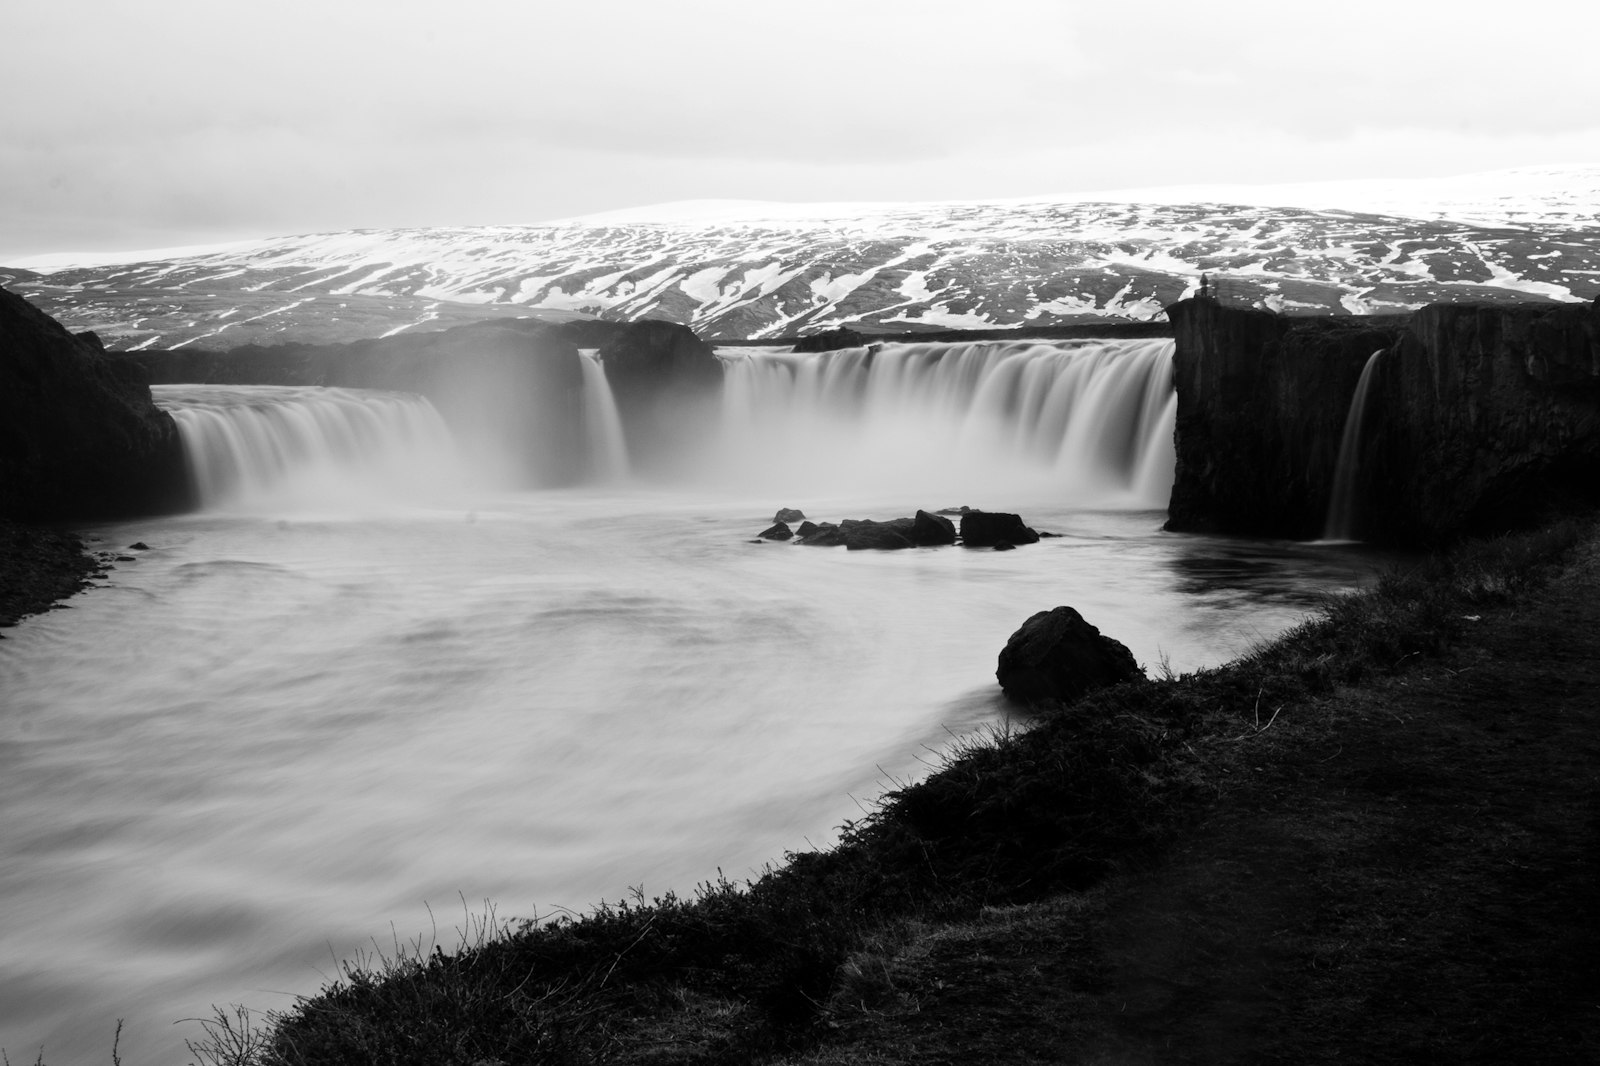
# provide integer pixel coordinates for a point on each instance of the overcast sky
(148, 123)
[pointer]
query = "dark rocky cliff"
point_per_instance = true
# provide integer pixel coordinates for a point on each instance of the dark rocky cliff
(1485, 415)
(79, 435)
(667, 383)
(511, 380)
(1476, 414)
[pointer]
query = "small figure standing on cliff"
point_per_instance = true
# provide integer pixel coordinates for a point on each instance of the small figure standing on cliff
(1205, 287)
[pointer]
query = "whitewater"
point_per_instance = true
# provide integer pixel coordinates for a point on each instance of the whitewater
(367, 695)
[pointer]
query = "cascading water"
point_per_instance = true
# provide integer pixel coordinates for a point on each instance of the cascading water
(608, 447)
(272, 446)
(268, 736)
(1341, 523)
(1090, 421)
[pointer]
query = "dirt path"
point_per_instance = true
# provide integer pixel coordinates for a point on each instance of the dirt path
(1407, 872)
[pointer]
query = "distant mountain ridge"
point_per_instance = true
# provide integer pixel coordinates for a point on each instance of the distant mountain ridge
(736, 271)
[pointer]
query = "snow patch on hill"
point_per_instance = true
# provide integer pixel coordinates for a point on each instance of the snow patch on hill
(739, 269)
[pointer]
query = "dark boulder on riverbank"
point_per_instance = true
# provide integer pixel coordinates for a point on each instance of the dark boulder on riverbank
(79, 434)
(1056, 655)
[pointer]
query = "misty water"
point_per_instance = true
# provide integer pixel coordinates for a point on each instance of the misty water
(365, 690)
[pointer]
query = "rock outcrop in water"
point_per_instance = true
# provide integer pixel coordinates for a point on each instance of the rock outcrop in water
(923, 530)
(510, 380)
(991, 529)
(1475, 415)
(79, 434)
(667, 383)
(1056, 655)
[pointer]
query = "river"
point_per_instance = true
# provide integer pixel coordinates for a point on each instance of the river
(325, 718)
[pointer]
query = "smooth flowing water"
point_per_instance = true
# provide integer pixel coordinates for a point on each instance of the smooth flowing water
(310, 719)
(1341, 523)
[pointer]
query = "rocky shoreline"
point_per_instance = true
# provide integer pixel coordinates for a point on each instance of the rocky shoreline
(40, 568)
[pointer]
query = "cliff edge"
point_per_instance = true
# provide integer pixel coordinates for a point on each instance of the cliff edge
(1475, 417)
(80, 436)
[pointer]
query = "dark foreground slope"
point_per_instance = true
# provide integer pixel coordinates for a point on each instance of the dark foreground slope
(1403, 871)
(1377, 839)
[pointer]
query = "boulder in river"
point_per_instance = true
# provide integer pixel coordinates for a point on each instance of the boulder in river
(820, 535)
(789, 514)
(1056, 655)
(778, 531)
(930, 530)
(985, 529)
(864, 534)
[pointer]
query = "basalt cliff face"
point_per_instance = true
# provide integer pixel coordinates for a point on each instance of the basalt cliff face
(1474, 415)
(1483, 415)
(667, 383)
(79, 434)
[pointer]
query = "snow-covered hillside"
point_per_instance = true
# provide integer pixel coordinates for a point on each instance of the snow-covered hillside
(750, 270)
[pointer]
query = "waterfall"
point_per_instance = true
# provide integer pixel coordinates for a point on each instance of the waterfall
(275, 447)
(608, 448)
(1347, 470)
(1087, 422)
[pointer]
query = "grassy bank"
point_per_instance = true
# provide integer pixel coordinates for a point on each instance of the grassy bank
(983, 899)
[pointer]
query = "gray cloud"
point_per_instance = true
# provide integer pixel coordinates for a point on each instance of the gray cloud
(199, 120)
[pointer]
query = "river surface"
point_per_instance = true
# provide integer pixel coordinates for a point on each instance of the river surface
(365, 699)
(274, 740)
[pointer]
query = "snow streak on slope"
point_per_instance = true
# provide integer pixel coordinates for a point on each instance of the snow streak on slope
(761, 270)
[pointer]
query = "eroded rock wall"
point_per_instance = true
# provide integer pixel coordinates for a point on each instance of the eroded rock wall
(80, 437)
(1475, 415)
(668, 384)
(1485, 416)
(1261, 406)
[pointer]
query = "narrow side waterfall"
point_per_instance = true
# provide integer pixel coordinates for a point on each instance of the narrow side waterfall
(1086, 422)
(1341, 522)
(608, 448)
(276, 447)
